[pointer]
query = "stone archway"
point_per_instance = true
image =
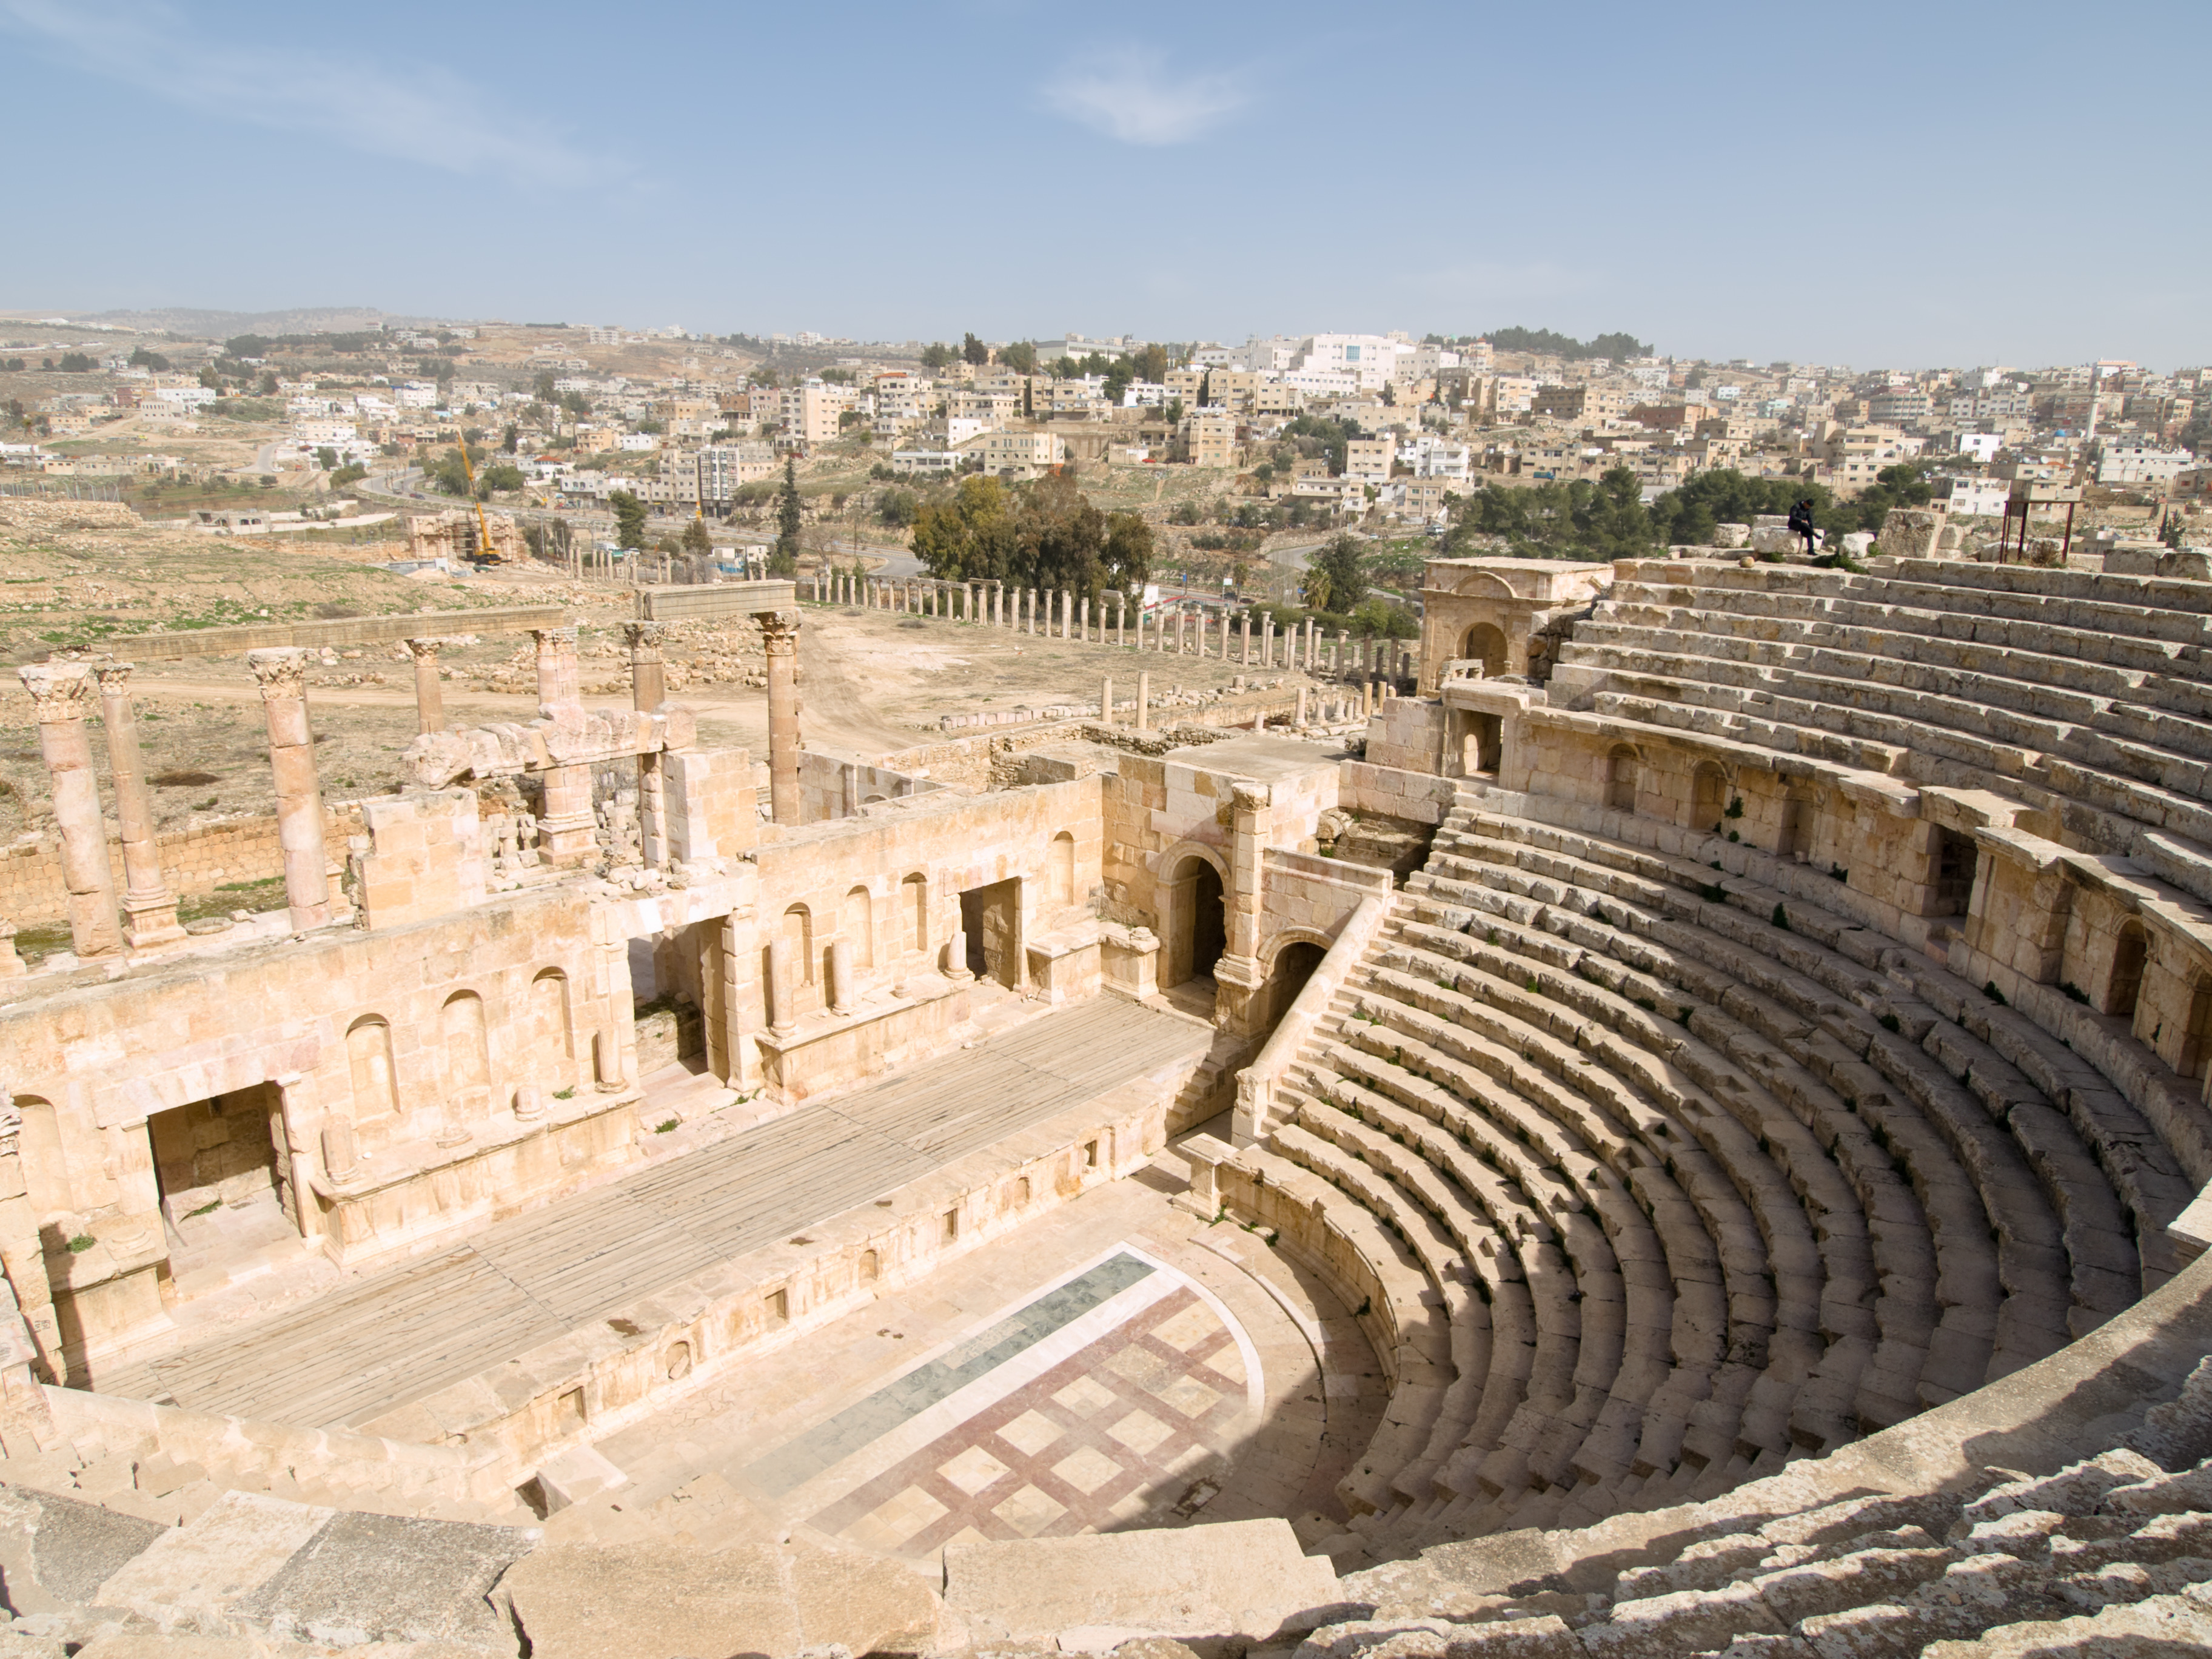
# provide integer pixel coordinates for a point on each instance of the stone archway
(1486, 642)
(1193, 920)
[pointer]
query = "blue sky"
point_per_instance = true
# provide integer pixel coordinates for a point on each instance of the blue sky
(1883, 184)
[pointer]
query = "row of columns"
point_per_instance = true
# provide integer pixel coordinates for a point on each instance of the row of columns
(62, 693)
(1059, 614)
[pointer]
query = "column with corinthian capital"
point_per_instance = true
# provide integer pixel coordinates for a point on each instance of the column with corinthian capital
(283, 672)
(779, 637)
(149, 909)
(61, 690)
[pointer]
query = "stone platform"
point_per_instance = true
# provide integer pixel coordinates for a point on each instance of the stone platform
(396, 1337)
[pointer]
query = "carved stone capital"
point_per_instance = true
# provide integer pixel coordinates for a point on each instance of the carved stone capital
(779, 631)
(1251, 797)
(281, 670)
(644, 635)
(555, 639)
(114, 678)
(59, 689)
(427, 647)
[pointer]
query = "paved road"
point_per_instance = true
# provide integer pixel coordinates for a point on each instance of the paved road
(399, 1335)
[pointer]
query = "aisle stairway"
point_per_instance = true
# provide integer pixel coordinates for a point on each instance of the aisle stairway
(1675, 1177)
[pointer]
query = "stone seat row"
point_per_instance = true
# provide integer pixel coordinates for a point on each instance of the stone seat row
(1679, 1252)
(2117, 659)
(2169, 753)
(2096, 636)
(1852, 1001)
(1848, 721)
(2109, 1555)
(2070, 1263)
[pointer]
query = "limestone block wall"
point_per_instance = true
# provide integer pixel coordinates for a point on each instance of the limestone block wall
(1406, 733)
(889, 884)
(195, 861)
(1396, 792)
(411, 1043)
(835, 786)
(1304, 896)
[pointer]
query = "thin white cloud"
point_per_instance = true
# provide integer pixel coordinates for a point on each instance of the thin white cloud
(428, 117)
(1130, 95)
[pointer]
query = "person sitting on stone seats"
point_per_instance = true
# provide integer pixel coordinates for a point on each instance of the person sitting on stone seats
(1801, 524)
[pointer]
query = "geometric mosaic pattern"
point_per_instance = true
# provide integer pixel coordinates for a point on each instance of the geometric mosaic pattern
(1134, 1428)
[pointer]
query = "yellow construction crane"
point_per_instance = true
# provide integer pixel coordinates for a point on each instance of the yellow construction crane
(483, 524)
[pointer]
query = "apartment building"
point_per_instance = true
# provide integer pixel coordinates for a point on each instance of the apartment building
(810, 410)
(720, 470)
(1368, 459)
(2122, 463)
(1211, 435)
(1965, 496)
(1019, 454)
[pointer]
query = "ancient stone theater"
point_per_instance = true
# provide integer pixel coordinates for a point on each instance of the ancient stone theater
(1670, 1120)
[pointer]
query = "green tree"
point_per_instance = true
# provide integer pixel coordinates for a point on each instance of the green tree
(629, 518)
(898, 508)
(1150, 363)
(1128, 552)
(499, 474)
(970, 536)
(1580, 520)
(974, 350)
(1336, 575)
(326, 457)
(76, 362)
(544, 387)
(142, 358)
(352, 472)
(784, 562)
(937, 355)
(513, 440)
(695, 538)
(447, 474)
(1021, 357)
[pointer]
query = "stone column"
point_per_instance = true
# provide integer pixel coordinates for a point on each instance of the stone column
(430, 689)
(1121, 619)
(648, 690)
(1144, 701)
(1083, 618)
(558, 679)
(1302, 706)
(649, 678)
(149, 909)
(62, 690)
(1106, 702)
(780, 635)
(283, 672)
(1244, 628)
(842, 990)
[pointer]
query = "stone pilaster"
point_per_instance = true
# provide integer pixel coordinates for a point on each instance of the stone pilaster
(558, 684)
(1237, 973)
(61, 690)
(282, 673)
(149, 909)
(648, 689)
(779, 637)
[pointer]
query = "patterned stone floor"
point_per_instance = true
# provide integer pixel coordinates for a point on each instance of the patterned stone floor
(1143, 1417)
(1118, 1362)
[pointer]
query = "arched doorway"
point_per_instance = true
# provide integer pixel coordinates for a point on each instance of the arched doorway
(1484, 642)
(1294, 965)
(1198, 924)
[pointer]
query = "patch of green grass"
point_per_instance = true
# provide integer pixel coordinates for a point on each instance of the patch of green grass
(208, 1208)
(665, 1126)
(81, 1244)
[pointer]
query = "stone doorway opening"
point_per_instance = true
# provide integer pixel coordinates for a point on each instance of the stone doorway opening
(225, 1182)
(991, 916)
(1198, 932)
(1294, 965)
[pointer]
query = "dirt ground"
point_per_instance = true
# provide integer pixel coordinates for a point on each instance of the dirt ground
(870, 681)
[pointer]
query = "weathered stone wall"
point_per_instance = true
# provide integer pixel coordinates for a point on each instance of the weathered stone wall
(195, 861)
